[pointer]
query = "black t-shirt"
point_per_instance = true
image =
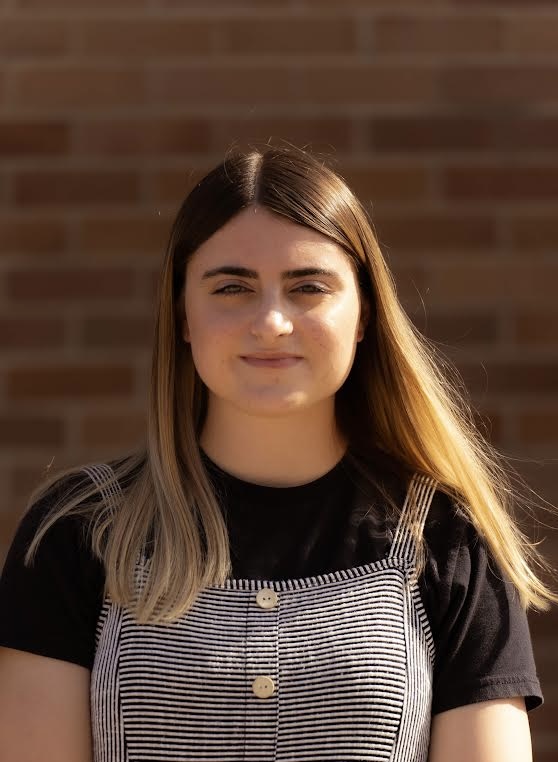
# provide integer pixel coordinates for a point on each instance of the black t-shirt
(481, 634)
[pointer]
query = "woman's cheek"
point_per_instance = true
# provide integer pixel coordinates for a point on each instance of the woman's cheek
(323, 333)
(214, 325)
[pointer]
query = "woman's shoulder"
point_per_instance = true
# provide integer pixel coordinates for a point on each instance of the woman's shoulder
(480, 630)
(446, 525)
(455, 551)
(50, 605)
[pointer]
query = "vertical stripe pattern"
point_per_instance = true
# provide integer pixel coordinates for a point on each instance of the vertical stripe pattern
(109, 743)
(337, 667)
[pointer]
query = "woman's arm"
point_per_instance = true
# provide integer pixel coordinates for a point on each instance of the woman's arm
(488, 731)
(44, 709)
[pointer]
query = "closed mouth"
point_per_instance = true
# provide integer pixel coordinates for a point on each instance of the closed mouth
(271, 357)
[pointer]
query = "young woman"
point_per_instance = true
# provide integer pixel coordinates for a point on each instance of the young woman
(311, 556)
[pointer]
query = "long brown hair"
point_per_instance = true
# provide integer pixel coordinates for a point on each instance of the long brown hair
(402, 401)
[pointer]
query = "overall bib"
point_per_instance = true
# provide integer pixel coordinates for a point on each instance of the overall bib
(336, 667)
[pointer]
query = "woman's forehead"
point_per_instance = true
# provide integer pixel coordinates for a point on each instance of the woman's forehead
(264, 240)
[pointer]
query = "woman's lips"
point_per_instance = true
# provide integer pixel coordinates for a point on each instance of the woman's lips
(278, 362)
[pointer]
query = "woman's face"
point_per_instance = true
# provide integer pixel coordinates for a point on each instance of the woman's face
(315, 317)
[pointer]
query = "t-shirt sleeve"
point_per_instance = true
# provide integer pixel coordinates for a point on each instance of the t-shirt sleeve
(483, 647)
(51, 608)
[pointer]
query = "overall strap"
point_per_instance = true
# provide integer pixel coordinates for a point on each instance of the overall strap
(99, 473)
(413, 514)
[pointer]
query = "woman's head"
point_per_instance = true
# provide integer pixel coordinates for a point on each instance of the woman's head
(270, 210)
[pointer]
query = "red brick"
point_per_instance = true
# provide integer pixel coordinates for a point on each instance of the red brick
(140, 233)
(528, 378)
(111, 430)
(544, 624)
(533, 34)
(30, 38)
(31, 431)
(147, 137)
(72, 4)
(68, 382)
(78, 86)
(542, 723)
(373, 184)
(435, 231)
(546, 753)
(69, 285)
(507, 183)
(328, 84)
(172, 185)
(430, 133)
(201, 5)
(150, 283)
(489, 425)
(319, 4)
(118, 331)
(75, 187)
(534, 232)
(536, 328)
(435, 133)
(496, 282)
(4, 187)
(462, 329)
(32, 236)
(541, 477)
(411, 279)
(496, 3)
(451, 34)
(544, 647)
(235, 85)
(538, 426)
(148, 37)
(498, 84)
(363, 84)
(24, 476)
(321, 134)
(32, 138)
(31, 333)
(332, 35)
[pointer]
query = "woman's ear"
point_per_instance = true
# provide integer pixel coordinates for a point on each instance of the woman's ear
(185, 331)
(364, 318)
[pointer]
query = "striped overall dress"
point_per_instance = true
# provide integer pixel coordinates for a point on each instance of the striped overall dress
(331, 667)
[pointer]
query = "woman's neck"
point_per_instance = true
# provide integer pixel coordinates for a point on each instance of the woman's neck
(278, 452)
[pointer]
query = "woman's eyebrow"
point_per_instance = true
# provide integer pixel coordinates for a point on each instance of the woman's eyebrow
(244, 272)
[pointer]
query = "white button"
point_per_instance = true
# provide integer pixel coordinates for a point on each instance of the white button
(266, 598)
(263, 686)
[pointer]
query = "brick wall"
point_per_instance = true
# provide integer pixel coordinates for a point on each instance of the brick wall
(442, 115)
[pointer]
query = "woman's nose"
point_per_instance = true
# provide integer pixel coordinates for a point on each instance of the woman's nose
(272, 321)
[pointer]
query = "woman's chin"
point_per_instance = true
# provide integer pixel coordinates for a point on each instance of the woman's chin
(270, 403)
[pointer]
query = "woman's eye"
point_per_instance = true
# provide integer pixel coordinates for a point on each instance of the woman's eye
(225, 290)
(317, 289)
